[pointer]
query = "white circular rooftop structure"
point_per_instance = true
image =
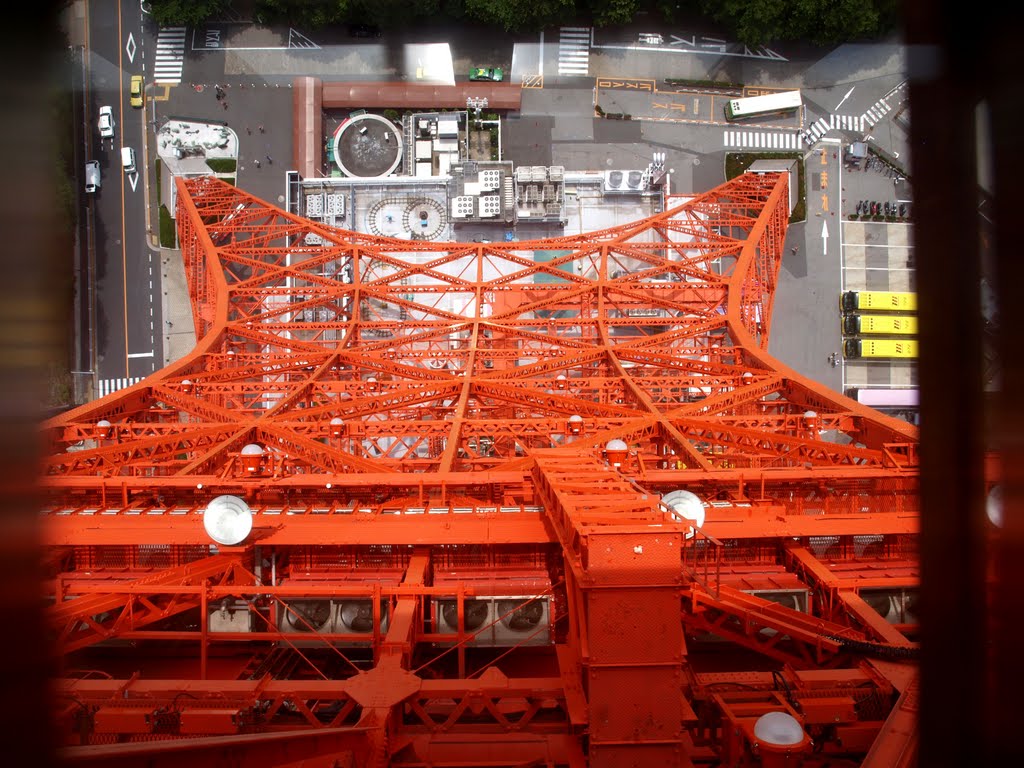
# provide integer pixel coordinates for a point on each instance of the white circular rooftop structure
(367, 146)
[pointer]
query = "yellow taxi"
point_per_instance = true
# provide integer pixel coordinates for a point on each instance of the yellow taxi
(136, 91)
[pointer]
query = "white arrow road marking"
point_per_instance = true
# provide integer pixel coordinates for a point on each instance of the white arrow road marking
(824, 236)
(843, 99)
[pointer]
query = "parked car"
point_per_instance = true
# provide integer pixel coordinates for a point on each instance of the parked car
(136, 91)
(363, 30)
(92, 176)
(491, 74)
(106, 123)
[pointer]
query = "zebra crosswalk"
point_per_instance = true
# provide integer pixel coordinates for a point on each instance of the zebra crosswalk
(877, 111)
(574, 51)
(170, 55)
(762, 139)
(823, 125)
(105, 386)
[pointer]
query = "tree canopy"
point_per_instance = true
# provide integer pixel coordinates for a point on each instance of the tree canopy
(822, 22)
(187, 12)
(752, 22)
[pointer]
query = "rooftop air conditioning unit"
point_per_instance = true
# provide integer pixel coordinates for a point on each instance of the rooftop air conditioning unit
(522, 621)
(794, 599)
(355, 617)
(477, 618)
(896, 606)
(303, 616)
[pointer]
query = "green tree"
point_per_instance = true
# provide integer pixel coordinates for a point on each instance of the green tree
(187, 12)
(822, 22)
(390, 14)
(607, 13)
(521, 15)
(311, 14)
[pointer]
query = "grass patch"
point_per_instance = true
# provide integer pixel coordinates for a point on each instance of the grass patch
(157, 168)
(738, 162)
(222, 164)
(229, 179)
(710, 84)
(167, 228)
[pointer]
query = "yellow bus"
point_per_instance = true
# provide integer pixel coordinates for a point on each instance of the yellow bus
(880, 349)
(881, 301)
(880, 325)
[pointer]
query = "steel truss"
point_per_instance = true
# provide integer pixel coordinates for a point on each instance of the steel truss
(458, 462)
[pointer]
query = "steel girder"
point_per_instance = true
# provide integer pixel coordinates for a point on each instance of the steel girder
(420, 425)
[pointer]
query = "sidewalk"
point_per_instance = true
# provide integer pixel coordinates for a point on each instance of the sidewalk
(179, 332)
(184, 147)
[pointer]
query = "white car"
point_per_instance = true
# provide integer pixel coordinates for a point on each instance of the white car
(106, 122)
(92, 176)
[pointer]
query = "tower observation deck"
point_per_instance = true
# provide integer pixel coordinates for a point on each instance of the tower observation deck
(412, 503)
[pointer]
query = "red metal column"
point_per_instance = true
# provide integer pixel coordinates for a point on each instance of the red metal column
(626, 555)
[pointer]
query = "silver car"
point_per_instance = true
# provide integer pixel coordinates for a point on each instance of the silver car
(106, 123)
(92, 176)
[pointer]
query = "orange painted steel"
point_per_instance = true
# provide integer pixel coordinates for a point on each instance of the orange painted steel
(465, 548)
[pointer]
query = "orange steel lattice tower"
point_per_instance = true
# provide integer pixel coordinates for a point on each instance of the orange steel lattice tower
(439, 504)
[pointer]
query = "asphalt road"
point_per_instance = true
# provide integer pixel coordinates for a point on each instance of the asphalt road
(127, 287)
(556, 125)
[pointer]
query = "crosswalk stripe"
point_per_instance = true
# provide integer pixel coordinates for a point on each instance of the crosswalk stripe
(574, 51)
(170, 55)
(761, 139)
(105, 387)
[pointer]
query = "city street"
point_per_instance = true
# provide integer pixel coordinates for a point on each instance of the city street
(850, 94)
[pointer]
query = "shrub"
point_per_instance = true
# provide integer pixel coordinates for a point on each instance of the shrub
(221, 164)
(168, 232)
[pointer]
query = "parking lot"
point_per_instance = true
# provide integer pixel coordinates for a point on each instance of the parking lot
(877, 257)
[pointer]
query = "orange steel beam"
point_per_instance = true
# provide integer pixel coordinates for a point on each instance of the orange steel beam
(258, 750)
(429, 427)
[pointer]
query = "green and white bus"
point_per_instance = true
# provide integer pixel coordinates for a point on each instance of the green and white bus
(759, 106)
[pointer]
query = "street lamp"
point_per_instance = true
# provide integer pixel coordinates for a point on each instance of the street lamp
(476, 104)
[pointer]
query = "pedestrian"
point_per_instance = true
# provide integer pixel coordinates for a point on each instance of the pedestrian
(270, 160)
(248, 130)
(257, 163)
(225, 103)
(794, 250)
(261, 129)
